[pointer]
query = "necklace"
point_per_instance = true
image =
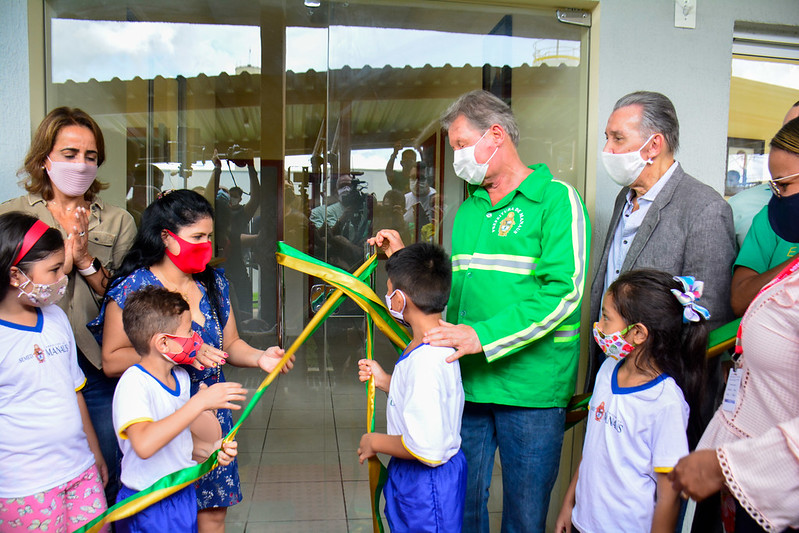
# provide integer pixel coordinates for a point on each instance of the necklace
(169, 284)
(214, 317)
(67, 209)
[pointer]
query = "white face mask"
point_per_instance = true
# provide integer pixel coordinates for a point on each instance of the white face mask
(624, 169)
(419, 188)
(397, 314)
(466, 166)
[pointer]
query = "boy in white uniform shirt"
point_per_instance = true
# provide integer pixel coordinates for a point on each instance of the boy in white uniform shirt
(152, 410)
(426, 483)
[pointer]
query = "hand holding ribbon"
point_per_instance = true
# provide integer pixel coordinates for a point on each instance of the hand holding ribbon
(692, 291)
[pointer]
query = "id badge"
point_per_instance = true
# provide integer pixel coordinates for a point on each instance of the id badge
(731, 390)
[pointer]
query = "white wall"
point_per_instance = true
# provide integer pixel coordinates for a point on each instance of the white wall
(640, 49)
(14, 95)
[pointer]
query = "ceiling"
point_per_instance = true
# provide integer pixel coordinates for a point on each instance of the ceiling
(376, 106)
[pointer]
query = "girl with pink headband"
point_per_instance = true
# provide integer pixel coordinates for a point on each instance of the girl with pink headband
(51, 469)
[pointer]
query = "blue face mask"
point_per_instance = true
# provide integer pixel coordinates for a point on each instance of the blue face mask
(783, 215)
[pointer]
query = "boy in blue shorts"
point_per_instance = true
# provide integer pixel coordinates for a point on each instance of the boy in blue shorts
(152, 411)
(426, 483)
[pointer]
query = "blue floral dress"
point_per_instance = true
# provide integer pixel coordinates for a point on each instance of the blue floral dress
(221, 486)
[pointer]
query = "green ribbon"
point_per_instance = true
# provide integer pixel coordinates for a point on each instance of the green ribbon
(722, 338)
(376, 314)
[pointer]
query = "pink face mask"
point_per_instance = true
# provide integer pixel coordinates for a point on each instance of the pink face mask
(614, 345)
(72, 179)
(41, 295)
(189, 346)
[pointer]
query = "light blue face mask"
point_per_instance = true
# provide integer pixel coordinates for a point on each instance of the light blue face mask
(397, 314)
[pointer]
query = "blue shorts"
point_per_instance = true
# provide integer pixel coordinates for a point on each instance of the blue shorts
(425, 498)
(177, 513)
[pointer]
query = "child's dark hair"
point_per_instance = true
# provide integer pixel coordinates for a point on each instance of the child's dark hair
(674, 347)
(13, 227)
(172, 211)
(149, 311)
(424, 273)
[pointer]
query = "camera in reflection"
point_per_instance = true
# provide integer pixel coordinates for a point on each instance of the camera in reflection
(355, 198)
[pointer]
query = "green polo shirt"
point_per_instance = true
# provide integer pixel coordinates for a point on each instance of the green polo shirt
(762, 249)
(518, 276)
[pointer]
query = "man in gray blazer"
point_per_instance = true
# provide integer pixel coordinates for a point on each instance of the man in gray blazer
(663, 218)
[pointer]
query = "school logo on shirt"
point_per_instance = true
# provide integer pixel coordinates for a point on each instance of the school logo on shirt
(609, 419)
(600, 412)
(508, 222)
(39, 353)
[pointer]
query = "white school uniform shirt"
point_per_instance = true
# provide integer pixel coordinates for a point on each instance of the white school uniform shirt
(425, 404)
(140, 397)
(632, 434)
(42, 443)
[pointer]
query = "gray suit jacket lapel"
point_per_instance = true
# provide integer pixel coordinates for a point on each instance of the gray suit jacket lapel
(650, 221)
(599, 274)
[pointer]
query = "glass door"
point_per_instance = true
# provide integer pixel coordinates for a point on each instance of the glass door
(336, 104)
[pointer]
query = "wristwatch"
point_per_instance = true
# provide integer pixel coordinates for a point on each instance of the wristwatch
(96, 266)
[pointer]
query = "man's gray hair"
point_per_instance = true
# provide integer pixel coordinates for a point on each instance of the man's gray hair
(657, 116)
(482, 109)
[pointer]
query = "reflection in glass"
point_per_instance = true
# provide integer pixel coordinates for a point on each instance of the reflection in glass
(344, 139)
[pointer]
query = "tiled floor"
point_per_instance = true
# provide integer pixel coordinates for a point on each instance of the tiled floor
(297, 459)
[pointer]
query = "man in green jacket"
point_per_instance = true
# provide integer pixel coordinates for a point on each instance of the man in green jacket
(519, 255)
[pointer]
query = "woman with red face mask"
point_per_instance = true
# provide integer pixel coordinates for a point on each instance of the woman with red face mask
(172, 249)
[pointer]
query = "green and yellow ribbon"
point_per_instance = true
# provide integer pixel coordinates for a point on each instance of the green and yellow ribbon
(722, 338)
(351, 285)
(376, 315)
(354, 287)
